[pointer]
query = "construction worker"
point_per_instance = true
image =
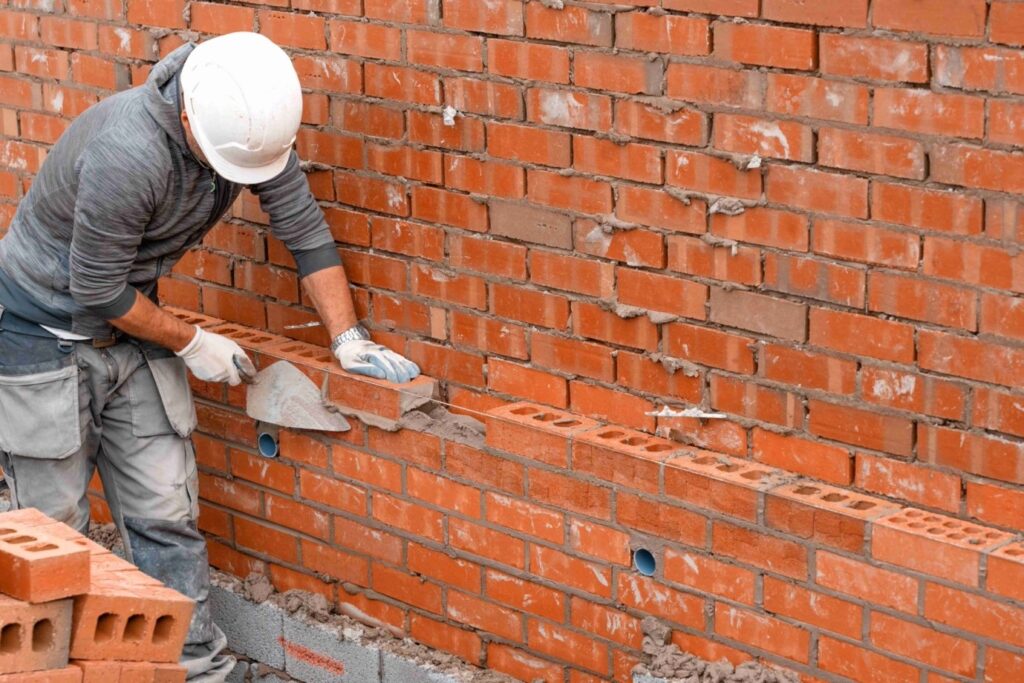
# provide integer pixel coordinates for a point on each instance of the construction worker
(92, 371)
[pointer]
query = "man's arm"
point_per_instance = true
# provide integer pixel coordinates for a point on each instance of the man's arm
(146, 320)
(328, 288)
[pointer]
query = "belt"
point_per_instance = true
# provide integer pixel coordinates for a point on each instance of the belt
(14, 323)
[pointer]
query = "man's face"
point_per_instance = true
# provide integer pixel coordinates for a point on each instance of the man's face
(192, 144)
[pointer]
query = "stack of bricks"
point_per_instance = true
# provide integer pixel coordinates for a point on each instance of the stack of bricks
(73, 612)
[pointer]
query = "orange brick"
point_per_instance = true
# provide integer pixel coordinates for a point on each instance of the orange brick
(36, 566)
(35, 637)
(786, 48)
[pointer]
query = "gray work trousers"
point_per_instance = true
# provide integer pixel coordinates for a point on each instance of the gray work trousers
(67, 408)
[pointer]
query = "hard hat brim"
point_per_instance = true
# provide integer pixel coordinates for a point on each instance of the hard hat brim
(244, 175)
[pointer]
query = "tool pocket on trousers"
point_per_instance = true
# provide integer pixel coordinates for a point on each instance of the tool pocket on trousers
(161, 399)
(39, 415)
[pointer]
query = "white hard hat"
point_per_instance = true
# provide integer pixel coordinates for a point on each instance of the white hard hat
(244, 105)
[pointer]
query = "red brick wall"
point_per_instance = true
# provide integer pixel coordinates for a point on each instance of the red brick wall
(858, 322)
(864, 305)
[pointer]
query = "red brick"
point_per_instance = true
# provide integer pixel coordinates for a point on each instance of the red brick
(661, 519)
(768, 552)
(79, 35)
(988, 456)
(525, 517)
(646, 207)
(569, 192)
(527, 383)
(863, 665)
(918, 299)
(862, 335)
(926, 112)
(526, 596)
(785, 48)
(693, 256)
(571, 494)
(529, 61)
(639, 120)
(488, 256)
(940, 17)
(611, 405)
(216, 18)
(593, 322)
(523, 666)
(974, 264)
(873, 584)
(677, 296)
(698, 572)
(815, 279)
(569, 109)
(464, 644)
(439, 566)
(710, 347)
(19, 25)
(406, 588)
(752, 135)
(763, 632)
(672, 34)
(971, 358)
(569, 25)
(524, 143)
(969, 612)
(998, 411)
(581, 275)
(923, 644)
(643, 374)
(484, 177)
(36, 636)
(995, 504)
(818, 191)
(981, 68)
(485, 616)
(479, 540)
(641, 163)
(600, 541)
(158, 13)
(880, 59)
(294, 30)
(852, 13)
(702, 173)
(715, 85)
(646, 595)
(871, 153)
(817, 98)
(739, 8)
(716, 482)
(127, 621)
(403, 84)
(573, 357)
(861, 428)
(915, 393)
(795, 454)
(503, 18)
(868, 244)
(944, 211)
(809, 607)
(477, 466)
(768, 227)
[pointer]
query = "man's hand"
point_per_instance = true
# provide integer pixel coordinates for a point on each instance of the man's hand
(215, 358)
(365, 357)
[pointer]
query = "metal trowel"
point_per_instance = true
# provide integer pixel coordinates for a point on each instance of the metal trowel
(282, 395)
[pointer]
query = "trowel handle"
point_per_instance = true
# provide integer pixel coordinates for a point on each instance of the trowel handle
(246, 370)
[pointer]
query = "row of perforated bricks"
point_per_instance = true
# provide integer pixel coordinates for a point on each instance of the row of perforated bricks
(933, 544)
(67, 598)
(358, 394)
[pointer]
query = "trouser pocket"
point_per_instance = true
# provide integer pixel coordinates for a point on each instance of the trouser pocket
(39, 398)
(160, 397)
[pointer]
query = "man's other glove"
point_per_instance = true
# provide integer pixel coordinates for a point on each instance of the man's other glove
(211, 357)
(365, 357)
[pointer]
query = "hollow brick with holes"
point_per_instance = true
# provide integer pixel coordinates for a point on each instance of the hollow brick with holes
(36, 566)
(34, 637)
(130, 619)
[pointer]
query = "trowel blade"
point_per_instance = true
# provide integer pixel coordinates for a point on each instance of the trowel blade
(284, 396)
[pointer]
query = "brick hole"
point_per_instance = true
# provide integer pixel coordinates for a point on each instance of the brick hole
(191, 320)
(956, 537)
(42, 635)
(913, 513)
(105, 625)
(936, 530)
(4, 532)
(524, 410)
(972, 530)
(658, 448)
(41, 547)
(727, 468)
(932, 518)
(1013, 552)
(634, 441)
(706, 460)
(806, 490)
(918, 525)
(565, 424)
(950, 525)
(993, 534)
(544, 417)
(862, 505)
(834, 497)
(18, 540)
(10, 639)
(259, 339)
(322, 356)
(163, 628)
(134, 628)
(754, 475)
(290, 348)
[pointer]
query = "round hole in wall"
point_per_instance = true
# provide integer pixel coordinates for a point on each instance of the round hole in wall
(267, 444)
(643, 561)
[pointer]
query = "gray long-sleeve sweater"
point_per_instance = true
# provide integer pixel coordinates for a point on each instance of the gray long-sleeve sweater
(120, 198)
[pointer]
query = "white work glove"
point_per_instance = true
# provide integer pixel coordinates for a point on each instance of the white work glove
(213, 357)
(365, 357)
